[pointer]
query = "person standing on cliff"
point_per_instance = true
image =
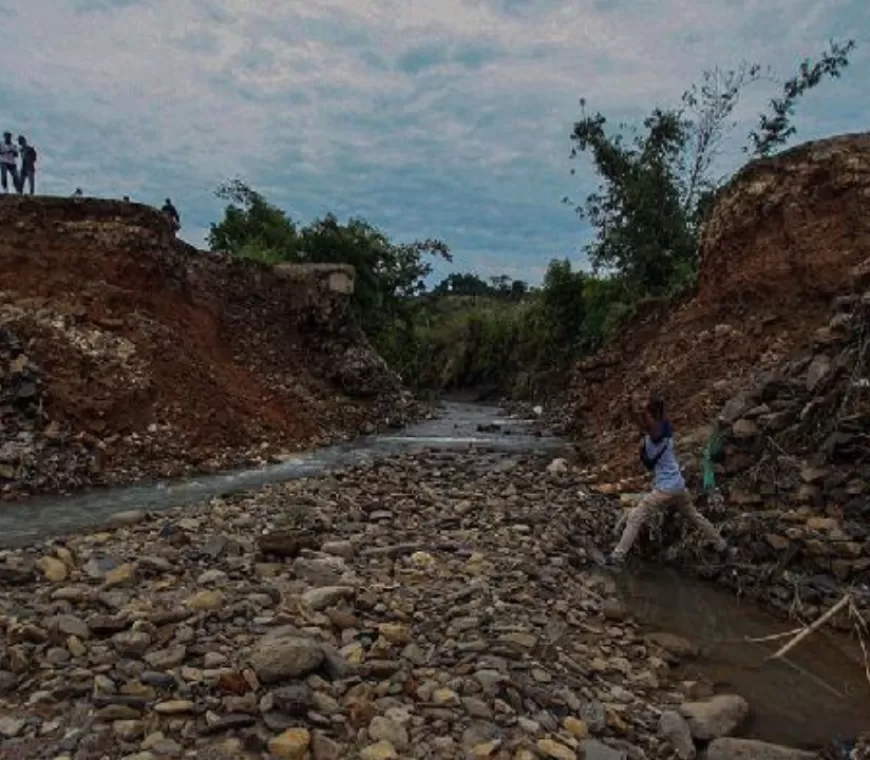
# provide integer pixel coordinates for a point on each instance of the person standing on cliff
(28, 164)
(669, 489)
(8, 162)
(172, 214)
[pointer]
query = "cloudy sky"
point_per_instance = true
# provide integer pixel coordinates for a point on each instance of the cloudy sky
(441, 118)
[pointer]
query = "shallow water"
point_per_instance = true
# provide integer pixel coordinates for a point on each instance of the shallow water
(819, 693)
(456, 428)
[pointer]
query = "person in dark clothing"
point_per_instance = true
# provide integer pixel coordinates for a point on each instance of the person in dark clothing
(8, 162)
(172, 214)
(28, 165)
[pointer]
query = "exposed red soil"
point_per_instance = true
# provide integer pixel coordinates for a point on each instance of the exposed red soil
(152, 358)
(786, 235)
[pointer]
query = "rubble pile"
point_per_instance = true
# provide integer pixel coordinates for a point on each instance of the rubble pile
(127, 354)
(428, 606)
(796, 467)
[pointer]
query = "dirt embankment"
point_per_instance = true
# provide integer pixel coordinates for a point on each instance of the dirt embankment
(125, 353)
(773, 351)
(784, 238)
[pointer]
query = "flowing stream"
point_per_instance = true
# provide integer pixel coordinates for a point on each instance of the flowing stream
(819, 693)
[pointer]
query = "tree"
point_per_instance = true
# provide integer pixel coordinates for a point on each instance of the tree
(459, 284)
(641, 227)
(563, 304)
(776, 127)
(252, 226)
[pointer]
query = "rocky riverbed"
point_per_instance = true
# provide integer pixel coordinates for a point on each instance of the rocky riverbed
(431, 605)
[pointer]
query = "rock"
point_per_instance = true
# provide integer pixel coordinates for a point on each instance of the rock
(126, 519)
(205, 601)
(674, 645)
(380, 751)
(385, 729)
(592, 749)
(69, 625)
(716, 717)
(277, 656)
(576, 727)
(819, 369)
(11, 727)
(746, 749)
(343, 549)
(123, 575)
(166, 659)
(326, 596)
(131, 643)
(744, 429)
(395, 633)
(53, 569)
(286, 543)
(324, 748)
(558, 467)
(555, 750)
(174, 707)
(676, 732)
(292, 744)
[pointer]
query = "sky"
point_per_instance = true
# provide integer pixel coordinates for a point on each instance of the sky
(429, 118)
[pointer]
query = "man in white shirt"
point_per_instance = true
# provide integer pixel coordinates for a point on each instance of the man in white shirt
(8, 162)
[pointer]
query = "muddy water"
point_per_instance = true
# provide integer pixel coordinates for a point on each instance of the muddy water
(818, 695)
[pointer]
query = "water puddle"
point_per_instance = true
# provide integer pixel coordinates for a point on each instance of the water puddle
(818, 694)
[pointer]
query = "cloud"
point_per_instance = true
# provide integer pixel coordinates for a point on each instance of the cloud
(443, 118)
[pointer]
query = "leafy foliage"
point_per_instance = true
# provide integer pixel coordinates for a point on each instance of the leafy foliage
(775, 128)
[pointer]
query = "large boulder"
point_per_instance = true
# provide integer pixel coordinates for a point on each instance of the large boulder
(715, 717)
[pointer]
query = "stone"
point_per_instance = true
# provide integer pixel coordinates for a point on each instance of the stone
(174, 707)
(123, 575)
(558, 467)
(126, 519)
(131, 643)
(53, 569)
(343, 549)
(592, 749)
(204, 601)
(326, 596)
(674, 645)
(716, 717)
(10, 727)
(576, 727)
(292, 744)
(70, 625)
(819, 369)
(129, 730)
(395, 633)
(324, 748)
(744, 429)
(746, 749)
(555, 750)
(166, 659)
(445, 698)
(384, 729)
(674, 729)
(814, 476)
(379, 751)
(278, 657)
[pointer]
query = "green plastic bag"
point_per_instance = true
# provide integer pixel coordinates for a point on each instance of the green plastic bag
(712, 452)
